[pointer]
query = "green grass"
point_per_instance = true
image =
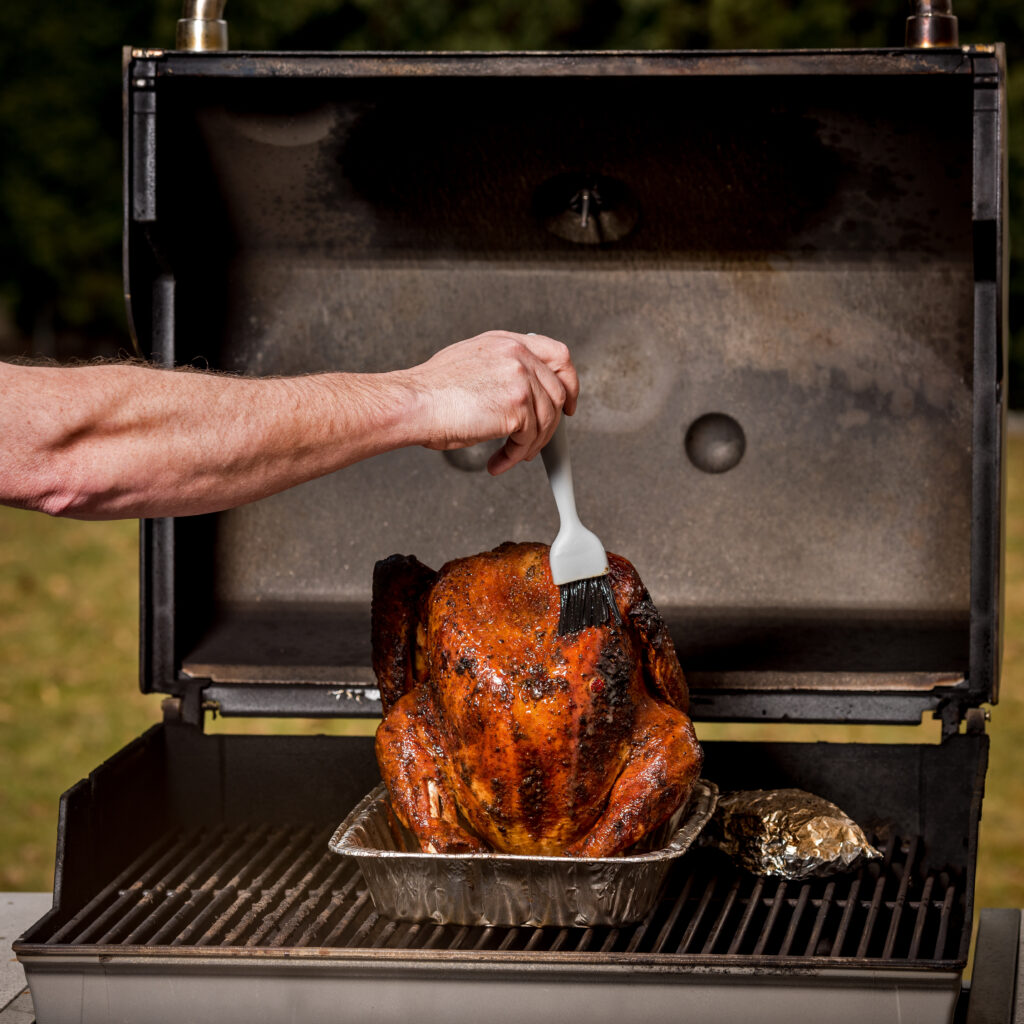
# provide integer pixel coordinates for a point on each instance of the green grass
(69, 695)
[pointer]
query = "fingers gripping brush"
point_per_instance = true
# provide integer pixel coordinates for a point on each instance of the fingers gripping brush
(579, 564)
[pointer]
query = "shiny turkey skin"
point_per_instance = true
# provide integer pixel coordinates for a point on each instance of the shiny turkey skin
(544, 744)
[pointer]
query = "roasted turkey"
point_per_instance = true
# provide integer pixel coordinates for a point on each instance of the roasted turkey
(499, 734)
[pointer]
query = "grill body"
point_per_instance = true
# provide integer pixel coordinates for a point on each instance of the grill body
(199, 864)
(799, 253)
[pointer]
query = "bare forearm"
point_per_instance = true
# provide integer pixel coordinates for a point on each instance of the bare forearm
(120, 441)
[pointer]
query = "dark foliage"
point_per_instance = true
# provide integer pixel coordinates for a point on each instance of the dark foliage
(60, 108)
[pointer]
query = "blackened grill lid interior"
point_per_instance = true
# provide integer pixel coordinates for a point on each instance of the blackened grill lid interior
(784, 298)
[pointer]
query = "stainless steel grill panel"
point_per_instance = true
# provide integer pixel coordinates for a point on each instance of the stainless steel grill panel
(269, 888)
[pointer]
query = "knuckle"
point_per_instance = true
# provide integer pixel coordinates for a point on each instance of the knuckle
(517, 425)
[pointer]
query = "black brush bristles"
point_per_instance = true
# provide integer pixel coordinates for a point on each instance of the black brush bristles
(586, 602)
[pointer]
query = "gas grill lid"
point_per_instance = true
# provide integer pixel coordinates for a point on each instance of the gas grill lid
(782, 279)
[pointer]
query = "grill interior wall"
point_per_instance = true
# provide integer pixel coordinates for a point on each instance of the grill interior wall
(238, 857)
(801, 261)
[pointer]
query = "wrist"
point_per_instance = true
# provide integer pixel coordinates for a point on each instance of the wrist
(411, 406)
(390, 410)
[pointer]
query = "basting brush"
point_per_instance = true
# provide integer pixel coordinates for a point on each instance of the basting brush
(579, 564)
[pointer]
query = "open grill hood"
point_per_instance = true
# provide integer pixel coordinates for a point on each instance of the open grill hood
(795, 255)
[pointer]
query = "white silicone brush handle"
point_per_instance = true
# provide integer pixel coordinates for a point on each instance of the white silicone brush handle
(559, 466)
(576, 553)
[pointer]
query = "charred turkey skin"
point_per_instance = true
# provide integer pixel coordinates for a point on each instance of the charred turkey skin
(542, 744)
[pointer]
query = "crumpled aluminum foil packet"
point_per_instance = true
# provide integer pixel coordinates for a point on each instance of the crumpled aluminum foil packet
(788, 833)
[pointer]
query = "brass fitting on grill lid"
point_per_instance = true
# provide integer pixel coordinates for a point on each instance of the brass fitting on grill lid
(932, 23)
(202, 26)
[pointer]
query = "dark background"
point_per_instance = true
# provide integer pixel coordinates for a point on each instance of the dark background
(60, 112)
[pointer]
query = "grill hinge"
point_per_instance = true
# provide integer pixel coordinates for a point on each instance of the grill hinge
(185, 710)
(143, 141)
(952, 712)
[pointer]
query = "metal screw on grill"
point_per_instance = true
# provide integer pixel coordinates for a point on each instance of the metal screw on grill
(586, 208)
(582, 203)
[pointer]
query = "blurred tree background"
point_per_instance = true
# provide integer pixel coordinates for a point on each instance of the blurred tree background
(60, 112)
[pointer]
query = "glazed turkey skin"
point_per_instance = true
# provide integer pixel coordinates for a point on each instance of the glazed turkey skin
(498, 734)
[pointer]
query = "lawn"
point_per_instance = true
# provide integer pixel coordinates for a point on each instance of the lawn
(69, 697)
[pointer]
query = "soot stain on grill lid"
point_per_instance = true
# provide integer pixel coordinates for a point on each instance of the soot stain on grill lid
(444, 169)
(463, 170)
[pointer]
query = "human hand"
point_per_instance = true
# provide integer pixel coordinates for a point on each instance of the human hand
(498, 384)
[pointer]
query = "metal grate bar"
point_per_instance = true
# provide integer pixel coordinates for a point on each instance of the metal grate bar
(869, 926)
(794, 921)
(640, 931)
(824, 906)
(360, 902)
(901, 900)
(773, 914)
(485, 936)
(239, 890)
(876, 897)
(723, 916)
(848, 906)
(585, 939)
(121, 892)
(237, 902)
(944, 915)
(381, 938)
(369, 923)
(208, 876)
(670, 921)
(124, 879)
(409, 938)
(259, 905)
(559, 941)
(753, 902)
(922, 917)
(435, 938)
(337, 901)
(142, 897)
(172, 900)
(512, 935)
(205, 920)
(534, 940)
(209, 922)
(277, 901)
(315, 899)
(610, 939)
(702, 906)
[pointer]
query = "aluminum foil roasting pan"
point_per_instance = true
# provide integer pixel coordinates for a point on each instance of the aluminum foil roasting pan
(511, 890)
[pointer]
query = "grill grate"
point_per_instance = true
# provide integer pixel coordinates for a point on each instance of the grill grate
(279, 887)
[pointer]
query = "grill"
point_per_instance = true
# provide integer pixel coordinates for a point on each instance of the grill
(799, 254)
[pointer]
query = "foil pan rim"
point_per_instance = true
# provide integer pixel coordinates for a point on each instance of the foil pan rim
(698, 810)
